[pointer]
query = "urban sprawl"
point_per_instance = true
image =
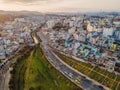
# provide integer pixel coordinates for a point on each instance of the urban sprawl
(93, 39)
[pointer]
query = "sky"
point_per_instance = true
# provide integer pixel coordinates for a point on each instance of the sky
(60, 5)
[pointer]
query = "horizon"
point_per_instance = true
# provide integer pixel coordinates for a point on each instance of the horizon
(60, 6)
(61, 11)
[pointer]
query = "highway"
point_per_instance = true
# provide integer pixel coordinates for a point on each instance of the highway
(75, 76)
(71, 74)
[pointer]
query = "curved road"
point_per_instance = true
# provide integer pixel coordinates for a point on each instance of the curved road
(72, 74)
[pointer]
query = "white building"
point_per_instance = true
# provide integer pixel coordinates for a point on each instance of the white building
(72, 30)
(71, 23)
(76, 36)
(50, 23)
(90, 28)
(108, 31)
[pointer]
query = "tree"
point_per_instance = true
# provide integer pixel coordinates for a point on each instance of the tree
(118, 55)
(31, 88)
(0, 60)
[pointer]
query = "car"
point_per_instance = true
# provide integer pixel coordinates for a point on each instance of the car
(101, 87)
(98, 87)
(65, 72)
(79, 78)
(70, 75)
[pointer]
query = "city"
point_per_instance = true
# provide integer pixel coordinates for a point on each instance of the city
(59, 50)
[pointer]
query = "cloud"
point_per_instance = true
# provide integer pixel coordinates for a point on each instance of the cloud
(28, 1)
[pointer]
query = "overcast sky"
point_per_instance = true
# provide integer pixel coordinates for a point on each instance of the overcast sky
(60, 5)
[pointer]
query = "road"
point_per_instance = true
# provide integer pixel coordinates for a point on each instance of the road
(5, 66)
(75, 76)
(4, 69)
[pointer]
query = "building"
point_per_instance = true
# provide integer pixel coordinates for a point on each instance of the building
(50, 23)
(108, 31)
(117, 34)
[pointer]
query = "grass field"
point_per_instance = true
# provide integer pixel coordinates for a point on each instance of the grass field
(102, 76)
(35, 73)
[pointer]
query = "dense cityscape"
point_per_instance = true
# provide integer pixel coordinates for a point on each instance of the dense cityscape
(85, 48)
(59, 45)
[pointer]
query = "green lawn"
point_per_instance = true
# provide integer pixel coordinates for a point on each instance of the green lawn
(102, 76)
(35, 73)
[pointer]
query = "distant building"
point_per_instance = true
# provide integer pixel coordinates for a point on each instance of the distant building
(90, 28)
(50, 23)
(71, 31)
(116, 21)
(117, 34)
(108, 31)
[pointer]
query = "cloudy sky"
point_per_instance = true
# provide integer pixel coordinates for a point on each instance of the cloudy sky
(60, 5)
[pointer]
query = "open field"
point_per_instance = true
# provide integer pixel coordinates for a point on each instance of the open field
(102, 76)
(35, 73)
